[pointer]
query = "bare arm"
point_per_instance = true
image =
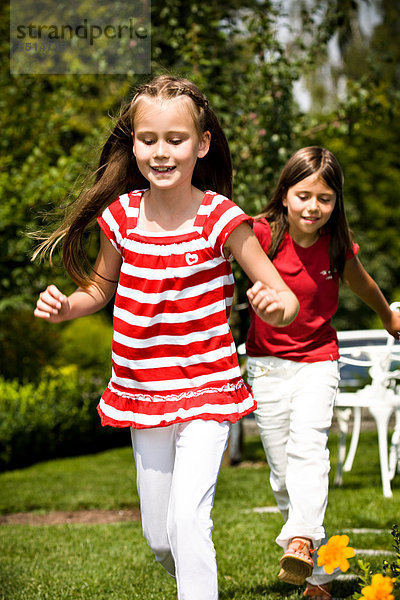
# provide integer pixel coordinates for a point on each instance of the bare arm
(270, 297)
(362, 284)
(55, 307)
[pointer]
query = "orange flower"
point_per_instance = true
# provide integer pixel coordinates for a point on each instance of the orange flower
(335, 553)
(380, 589)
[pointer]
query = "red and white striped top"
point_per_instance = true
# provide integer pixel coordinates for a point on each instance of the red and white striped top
(174, 358)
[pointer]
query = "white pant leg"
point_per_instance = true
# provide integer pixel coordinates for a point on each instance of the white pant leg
(199, 451)
(177, 469)
(311, 409)
(154, 452)
(268, 377)
(294, 413)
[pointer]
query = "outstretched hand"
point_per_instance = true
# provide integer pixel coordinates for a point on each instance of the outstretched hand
(266, 303)
(393, 324)
(52, 305)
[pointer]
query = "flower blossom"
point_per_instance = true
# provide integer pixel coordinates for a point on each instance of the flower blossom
(381, 588)
(335, 553)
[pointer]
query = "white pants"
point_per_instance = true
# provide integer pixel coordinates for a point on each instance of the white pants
(294, 413)
(177, 470)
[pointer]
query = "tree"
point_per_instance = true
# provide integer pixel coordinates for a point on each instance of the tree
(361, 129)
(53, 126)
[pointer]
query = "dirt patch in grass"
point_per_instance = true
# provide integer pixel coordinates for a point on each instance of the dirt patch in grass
(87, 517)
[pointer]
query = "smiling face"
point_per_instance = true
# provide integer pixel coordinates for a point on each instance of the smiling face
(166, 142)
(310, 204)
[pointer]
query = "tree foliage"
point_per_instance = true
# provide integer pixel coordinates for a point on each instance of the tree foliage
(368, 152)
(362, 130)
(53, 126)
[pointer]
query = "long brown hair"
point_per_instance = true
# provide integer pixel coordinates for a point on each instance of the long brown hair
(117, 172)
(312, 160)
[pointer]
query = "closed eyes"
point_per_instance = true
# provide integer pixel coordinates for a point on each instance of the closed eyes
(174, 141)
(320, 199)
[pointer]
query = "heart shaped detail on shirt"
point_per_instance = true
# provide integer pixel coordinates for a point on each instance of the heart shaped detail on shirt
(191, 259)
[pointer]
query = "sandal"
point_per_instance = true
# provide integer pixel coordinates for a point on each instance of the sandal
(322, 591)
(288, 577)
(296, 563)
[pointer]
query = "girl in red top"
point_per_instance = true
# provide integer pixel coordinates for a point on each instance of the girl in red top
(168, 243)
(293, 371)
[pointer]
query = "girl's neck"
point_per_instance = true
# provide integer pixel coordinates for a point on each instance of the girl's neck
(169, 210)
(305, 241)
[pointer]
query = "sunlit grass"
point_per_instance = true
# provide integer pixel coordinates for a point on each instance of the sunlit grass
(113, 562)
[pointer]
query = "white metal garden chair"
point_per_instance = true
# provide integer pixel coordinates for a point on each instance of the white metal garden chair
(375, 352)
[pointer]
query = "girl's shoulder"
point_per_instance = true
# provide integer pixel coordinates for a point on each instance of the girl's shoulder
(213, 200)
(262, 224)
(214, 205)
(128, 199)
(262, 230)
(349, 253)
(121, 211)
(125, 204)
(218, 216)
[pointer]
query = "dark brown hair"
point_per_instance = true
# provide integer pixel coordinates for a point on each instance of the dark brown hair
(117, 172)
(312, 160)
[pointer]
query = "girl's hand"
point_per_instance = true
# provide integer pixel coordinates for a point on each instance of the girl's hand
(272, 300)
(392, 325)
(266, 303)
(52, 305)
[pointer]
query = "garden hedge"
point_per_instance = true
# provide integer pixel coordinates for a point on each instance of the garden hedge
(55, 417)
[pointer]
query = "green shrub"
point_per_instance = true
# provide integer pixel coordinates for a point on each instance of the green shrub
(55, 417)
(86, 342)
(27, 344)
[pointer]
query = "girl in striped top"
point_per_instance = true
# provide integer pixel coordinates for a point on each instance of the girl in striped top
(167, 244)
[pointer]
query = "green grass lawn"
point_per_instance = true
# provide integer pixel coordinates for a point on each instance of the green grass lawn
(113, 562)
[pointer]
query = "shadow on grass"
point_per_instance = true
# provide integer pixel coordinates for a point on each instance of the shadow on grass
(348, 486)
(278, 589)
(253, 450)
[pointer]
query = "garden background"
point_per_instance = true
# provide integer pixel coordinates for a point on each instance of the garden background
(280, 75)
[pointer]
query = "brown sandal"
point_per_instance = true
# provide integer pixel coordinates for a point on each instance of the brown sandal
(296, 563)
(288, 577)
(322, 591)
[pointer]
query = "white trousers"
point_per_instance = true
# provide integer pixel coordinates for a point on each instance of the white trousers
(294, 413)
(177, 470)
